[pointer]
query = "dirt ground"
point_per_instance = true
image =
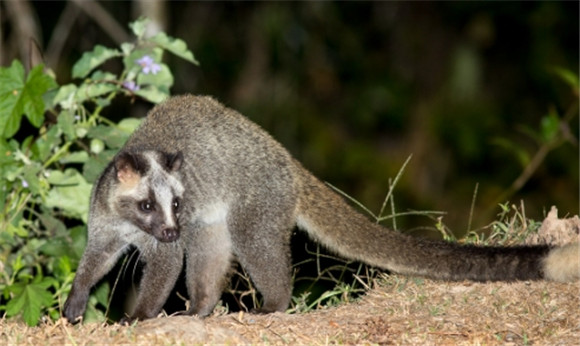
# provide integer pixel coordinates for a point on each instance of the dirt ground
(397, 311)
(400, 311)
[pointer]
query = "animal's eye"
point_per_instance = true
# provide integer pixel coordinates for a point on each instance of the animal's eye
(176, 205)
(147, 206)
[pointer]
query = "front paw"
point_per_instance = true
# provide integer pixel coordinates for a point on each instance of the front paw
(128, 320)
(74, 307)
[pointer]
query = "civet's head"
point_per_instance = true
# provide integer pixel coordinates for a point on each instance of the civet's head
(149, 191)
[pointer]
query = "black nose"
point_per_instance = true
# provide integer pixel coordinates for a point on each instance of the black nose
(169, 234)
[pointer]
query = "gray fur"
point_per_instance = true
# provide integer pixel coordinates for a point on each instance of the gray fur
(240, 195)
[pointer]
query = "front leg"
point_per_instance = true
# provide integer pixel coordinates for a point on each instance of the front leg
(162, 268)
(97, 260)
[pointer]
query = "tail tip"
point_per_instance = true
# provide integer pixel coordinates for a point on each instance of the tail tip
(562, 264)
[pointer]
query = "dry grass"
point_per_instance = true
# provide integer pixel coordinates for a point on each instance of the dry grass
(400, 311)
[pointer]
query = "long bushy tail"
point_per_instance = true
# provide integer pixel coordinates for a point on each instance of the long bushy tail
(330, 220)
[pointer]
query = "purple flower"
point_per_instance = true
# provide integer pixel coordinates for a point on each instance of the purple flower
(148, 65)
(131, 85)
(24, 183)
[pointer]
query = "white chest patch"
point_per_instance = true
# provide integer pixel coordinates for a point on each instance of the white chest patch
(214, 213)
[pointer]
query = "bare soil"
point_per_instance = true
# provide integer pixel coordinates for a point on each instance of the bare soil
(400, 311)
(397, 311)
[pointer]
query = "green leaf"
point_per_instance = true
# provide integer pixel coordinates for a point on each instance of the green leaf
(31, 178)
(51, 223)
(102, 294)
(92, 59)
(63, 267)
(48, 96)
(11, 85)
(79, 241)
(19, 96)
(12, 172)
(103, 76)
(55, 247)
(99, 296)
(139, 26)
(71, 195)
(175, 46)
(126, 48)
(129, 125)
(152, 93)
(17, 265)
(29, 300)
(91, 90)
(37, 84)
(75, 157)
(70, 244)
(68, 177)
(66, 96)
(550, 126)
(113, 137)
(44, 145)
(102, 102)
(93, 168)
(16, 230)
(11, 78)
(65, 123)
(6, 154)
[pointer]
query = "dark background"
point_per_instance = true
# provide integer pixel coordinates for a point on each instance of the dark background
(353, 88)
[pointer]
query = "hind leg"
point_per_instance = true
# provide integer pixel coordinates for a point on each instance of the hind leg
(209, 259)
(265, 254)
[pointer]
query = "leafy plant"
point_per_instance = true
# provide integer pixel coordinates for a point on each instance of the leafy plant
(47, 176)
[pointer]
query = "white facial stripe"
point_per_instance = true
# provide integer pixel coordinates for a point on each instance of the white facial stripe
(158, 170)
(165, 187)
(164, 198)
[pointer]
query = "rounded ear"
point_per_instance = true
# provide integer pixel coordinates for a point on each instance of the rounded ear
(127, 168)
(174, 161)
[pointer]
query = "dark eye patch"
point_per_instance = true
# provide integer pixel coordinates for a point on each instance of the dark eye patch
(176, 204)
(147, 206)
